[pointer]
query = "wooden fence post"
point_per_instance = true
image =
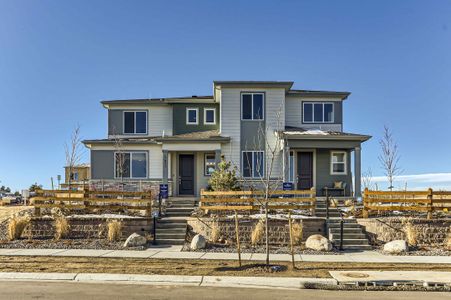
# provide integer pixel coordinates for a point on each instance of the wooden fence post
(148, 212)
(430, 197)
(37, 210)
(237, 232)
(365, 212)
(313, 202)
(290, 224)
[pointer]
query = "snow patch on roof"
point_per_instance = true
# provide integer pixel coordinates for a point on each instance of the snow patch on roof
(307, 132)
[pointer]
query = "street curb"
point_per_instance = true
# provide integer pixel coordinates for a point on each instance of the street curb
(176, 280)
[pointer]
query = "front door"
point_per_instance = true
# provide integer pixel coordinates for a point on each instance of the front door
(186, 174)
(305, 170)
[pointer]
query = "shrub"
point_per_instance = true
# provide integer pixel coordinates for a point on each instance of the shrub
(411, 234)
(448, 242)
(258, 232)
(114, 230)
(62, 227)
(224, 178)
(215, 232)
(349, 203)
(297, 232)
(16, 226)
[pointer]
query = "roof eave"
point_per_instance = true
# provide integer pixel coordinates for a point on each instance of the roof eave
(362, 138)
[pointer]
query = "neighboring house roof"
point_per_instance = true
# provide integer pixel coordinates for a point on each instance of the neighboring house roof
(251, 83)
(159, 101)
(201, 136)
(317, 134)
(309, 93)
(209, 135)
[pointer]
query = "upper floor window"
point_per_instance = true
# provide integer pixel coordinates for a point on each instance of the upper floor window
(135, 122)
(318, 112)
(252, 106)
(130, 164)
(210, 116)
(338, 163)
(192, 117)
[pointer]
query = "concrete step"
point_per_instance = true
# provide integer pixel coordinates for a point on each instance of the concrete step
(357, 247)
(174, 230)
(347, 236)
(350, 225)
(346, 230)
(347, 242)
(170, 236)
(178, 214)
(170, 241)
(169, 220)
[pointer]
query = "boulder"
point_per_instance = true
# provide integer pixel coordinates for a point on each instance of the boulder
(198, 242)
(397, 246)
(135, 240)
(318, 242)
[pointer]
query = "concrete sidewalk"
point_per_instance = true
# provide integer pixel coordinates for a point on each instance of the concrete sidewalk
(175, 280)
(174, 252)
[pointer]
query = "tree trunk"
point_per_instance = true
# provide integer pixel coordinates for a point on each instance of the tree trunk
(267, 233)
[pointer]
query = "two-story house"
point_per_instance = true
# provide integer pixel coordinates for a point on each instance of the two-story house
(180, 140)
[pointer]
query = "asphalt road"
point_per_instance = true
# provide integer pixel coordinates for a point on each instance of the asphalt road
(74, 290)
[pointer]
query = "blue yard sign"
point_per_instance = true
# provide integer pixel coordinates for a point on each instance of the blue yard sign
(287, 186)
(164, 191)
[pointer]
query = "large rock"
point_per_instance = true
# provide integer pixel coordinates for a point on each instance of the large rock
(397, 246)
(318, 242)
(198, 242)
(135, 240)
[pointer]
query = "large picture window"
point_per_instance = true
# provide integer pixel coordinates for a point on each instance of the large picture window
(338, 163)
(130, 164)
(252, 164)
(252, 106)
(135, 122)
(318, 112)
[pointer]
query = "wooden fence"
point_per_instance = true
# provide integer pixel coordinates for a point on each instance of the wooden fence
(254, 200)
(99, 201)
(412, 201)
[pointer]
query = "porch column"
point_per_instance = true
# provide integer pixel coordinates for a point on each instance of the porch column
(357, 172)
(217, 158)
(165, 166)
(286, 163)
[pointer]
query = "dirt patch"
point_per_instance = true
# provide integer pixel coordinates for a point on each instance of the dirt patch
(191, 267)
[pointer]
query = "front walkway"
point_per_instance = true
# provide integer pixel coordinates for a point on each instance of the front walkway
(174, 252)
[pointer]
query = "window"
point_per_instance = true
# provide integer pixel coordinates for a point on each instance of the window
(130, 164)
(135, 122)
(318, 112)
(291, 167)
(338, 163)
(191, 116)
(210, 165)
(74, 176)
(210, 116)
(252, 106)
(252, 164)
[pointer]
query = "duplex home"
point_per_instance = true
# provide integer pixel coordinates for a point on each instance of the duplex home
(179, 141)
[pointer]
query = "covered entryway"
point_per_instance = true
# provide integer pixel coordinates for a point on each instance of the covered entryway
(305, 170)
(186, 174)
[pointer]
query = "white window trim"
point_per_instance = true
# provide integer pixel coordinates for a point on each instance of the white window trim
(205, 116)
(131, 164)
(187, 116)
(205, 163)
(345, 163)
(134, 131)
(252, 106)
(313, 112)
(242, 163)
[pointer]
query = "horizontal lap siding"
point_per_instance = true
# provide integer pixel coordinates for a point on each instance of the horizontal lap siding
(323, 176)
(160, 120)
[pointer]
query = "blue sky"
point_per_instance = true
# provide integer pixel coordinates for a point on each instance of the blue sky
(58, 59)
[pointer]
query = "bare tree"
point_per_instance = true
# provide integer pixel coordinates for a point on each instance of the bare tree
(73, 152)
(367, 179)
(389, 157)
(119, 156)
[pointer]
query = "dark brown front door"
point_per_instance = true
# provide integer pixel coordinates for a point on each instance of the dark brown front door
(305, 170)
(186, 174)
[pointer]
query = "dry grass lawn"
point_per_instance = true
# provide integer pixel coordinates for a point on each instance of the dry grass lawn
(190, 266)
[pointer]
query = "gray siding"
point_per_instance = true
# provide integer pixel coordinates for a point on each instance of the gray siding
(179, 118)
(115, 122)
(102, 164)
(323, 176)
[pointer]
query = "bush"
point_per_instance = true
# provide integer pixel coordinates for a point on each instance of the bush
(215, 232)
(224, 178)
(257, 233)
(62, 227)
(114, 230)
(16, 226)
